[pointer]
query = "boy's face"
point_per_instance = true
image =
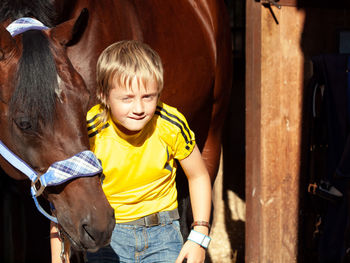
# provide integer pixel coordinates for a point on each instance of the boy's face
(132, 108)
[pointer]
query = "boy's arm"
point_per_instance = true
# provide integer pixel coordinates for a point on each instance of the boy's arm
(200, 194)
(56, 245)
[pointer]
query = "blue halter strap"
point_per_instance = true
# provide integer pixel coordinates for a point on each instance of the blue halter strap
(24, 24)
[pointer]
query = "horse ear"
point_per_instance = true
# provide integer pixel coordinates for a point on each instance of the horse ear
(69, 32)
(7, 43)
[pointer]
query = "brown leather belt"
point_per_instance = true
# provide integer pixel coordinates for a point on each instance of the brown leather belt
(154, 219)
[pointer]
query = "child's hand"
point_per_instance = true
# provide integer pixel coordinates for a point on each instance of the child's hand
(193, 252)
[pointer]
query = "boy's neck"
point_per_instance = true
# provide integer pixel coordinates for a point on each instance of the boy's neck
(126, 131)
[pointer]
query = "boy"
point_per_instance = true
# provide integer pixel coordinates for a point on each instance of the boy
(137, 138)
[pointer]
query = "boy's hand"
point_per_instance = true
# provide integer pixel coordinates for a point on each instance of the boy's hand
(193, 252)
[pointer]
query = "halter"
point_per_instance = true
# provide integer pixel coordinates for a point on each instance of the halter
(24, 24)
(80, 165)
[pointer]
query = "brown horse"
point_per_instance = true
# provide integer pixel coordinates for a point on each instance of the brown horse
(43, 102)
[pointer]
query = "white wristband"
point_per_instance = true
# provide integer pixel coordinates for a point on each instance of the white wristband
(199, 238)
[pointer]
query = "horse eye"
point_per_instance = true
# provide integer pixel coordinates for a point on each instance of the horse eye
(23, 123)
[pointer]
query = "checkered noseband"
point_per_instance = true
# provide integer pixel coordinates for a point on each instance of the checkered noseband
(82, 164)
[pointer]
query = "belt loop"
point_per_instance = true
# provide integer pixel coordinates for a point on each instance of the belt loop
(159, 219)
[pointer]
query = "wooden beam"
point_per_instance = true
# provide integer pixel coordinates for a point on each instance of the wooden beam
(274, 88)
(253, 239)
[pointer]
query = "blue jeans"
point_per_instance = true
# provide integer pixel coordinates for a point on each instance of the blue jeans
(138, 244)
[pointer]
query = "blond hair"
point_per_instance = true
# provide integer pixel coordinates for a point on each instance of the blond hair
(121, 62)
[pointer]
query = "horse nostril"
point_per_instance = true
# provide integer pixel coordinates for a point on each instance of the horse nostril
(87, 231)
(96, 233)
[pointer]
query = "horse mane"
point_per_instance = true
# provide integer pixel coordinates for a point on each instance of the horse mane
(43, 10)
(36, 80)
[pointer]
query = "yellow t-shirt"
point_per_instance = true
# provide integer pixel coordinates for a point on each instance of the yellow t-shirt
(139, 170)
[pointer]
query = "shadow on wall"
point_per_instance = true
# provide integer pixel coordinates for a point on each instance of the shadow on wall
(24, 231)
(234, 161)
(234, 134)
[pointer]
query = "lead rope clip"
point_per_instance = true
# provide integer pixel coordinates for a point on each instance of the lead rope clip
(62, 254)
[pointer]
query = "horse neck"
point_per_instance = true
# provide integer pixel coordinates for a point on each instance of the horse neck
(98, 36)
(105, 11)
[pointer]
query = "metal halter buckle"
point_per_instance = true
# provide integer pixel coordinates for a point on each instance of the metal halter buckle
(38, 187)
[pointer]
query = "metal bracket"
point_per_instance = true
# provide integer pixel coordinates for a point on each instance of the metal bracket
(271, 2)
(267, 4)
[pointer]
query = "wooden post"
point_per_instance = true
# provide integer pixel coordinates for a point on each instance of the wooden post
(274, 88)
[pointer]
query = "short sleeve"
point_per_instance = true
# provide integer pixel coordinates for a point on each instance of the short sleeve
(185, 140)
(175, 131)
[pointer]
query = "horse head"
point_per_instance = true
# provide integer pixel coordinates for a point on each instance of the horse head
(43, 104)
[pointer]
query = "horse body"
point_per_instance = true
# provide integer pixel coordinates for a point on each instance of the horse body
(43, 102)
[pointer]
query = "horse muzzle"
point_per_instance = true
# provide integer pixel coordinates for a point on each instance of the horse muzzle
(92, 232)
(94, 238)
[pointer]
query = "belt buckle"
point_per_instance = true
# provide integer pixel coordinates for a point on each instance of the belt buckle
(152, 220)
